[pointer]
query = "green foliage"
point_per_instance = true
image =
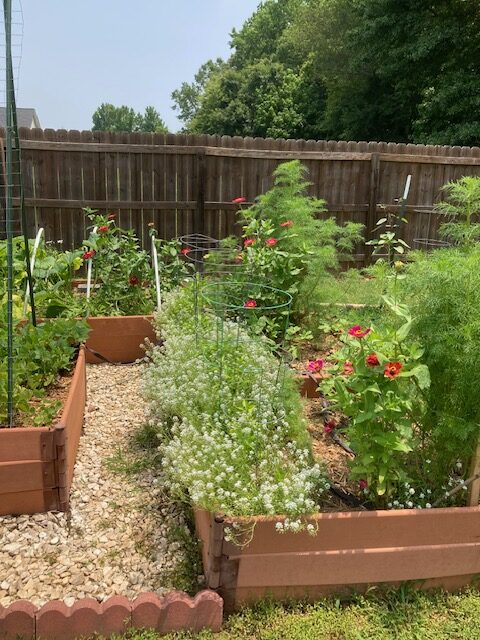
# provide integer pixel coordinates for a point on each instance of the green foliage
(378, 381)
(173, 270)
(40, 353)
(51, 276)
(285, 242)
(462, 203)
(229, 418)
(404, 613)
(343, 69)
(444, 289)
(110, 118)
(121, 269)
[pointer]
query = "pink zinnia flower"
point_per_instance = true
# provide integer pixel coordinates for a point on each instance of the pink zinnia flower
(250, 304)
(287, 223)
(329, 427)
(315, 365)
(103, 228)
(348, 368)
(271, 242)
(185, 251)
(357, 332)
(248, 242)
(239, 200)
(372, 360)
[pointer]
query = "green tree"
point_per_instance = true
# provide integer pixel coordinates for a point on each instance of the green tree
(110, 118)
(396, 70)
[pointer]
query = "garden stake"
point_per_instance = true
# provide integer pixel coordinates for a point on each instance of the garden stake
(456, 489)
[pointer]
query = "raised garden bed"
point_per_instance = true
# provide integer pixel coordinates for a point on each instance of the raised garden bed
(350, 552)
(36, 464)
(118, 338)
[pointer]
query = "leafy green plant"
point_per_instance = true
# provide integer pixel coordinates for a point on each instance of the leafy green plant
(40, 353)
(388, 240)
(462, 203)
(173, 269)
(444, 291)
(378, 382)
(286, 244)
(121, 269)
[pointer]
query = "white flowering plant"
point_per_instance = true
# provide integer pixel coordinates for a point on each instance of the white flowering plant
(229, 418)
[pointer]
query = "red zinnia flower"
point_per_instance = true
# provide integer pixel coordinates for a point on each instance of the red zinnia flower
(133, 280)
(329, 427)
(348, 368)
(250, 304)
(271, 242)
(287, 223)
(363, 484)
(248, 242)
(372, 360)
(392, 369)
(357, 332)
(88, 255)
(103, 228)
(185, 251)
(111, 216)
(239, 200)
(316, 365)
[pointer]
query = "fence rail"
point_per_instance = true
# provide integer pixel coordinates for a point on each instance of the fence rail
(185, 184)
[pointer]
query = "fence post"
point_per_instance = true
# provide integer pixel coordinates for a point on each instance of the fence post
(372, 204)
(200, 175)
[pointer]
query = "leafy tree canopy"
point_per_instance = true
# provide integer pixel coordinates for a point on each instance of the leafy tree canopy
(396, 70)
(110, 118)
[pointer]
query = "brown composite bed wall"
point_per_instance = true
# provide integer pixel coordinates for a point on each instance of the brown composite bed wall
(350, 552)
(36, 464)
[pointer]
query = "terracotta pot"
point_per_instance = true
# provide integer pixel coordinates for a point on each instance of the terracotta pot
(350, 552)
(36, 464)
(118, 338)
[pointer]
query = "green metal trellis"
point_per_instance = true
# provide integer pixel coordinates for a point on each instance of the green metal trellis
(10, 160)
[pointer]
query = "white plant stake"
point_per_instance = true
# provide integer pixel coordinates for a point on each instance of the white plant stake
(407, 187)
(157, 273)
(89, 272)
(32, 265)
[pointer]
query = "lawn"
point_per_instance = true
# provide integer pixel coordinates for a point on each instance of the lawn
(398, 615)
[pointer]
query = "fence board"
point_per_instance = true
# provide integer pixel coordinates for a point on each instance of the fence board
(154, 178)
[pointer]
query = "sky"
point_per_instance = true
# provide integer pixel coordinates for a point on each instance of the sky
(77, 54)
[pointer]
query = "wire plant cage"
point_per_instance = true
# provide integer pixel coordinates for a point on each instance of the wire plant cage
(232, 309)
(13, 220)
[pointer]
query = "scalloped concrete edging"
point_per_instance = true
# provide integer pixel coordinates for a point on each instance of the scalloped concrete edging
(175, 611)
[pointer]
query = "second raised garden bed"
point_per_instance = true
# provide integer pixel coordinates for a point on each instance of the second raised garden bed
(350, 552)
(36, 464)
(118, 338)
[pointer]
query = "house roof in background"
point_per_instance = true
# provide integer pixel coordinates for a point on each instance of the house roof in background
(25, 116)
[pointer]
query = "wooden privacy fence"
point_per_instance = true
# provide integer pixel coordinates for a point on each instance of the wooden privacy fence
(185, 184)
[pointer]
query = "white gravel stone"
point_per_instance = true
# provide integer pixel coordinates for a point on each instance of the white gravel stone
(116, 539)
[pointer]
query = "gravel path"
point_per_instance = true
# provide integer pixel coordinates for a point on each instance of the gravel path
(117, 538)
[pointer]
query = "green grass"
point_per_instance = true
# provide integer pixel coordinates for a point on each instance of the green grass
(398, 615)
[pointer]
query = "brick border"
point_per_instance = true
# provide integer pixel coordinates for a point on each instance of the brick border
(174, 611)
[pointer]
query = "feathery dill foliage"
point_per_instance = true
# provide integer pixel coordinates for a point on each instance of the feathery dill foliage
(444, 287)
(307, 249)
(230, 440)
(461, 205)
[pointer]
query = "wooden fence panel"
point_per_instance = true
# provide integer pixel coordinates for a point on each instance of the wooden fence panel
(185, 184)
